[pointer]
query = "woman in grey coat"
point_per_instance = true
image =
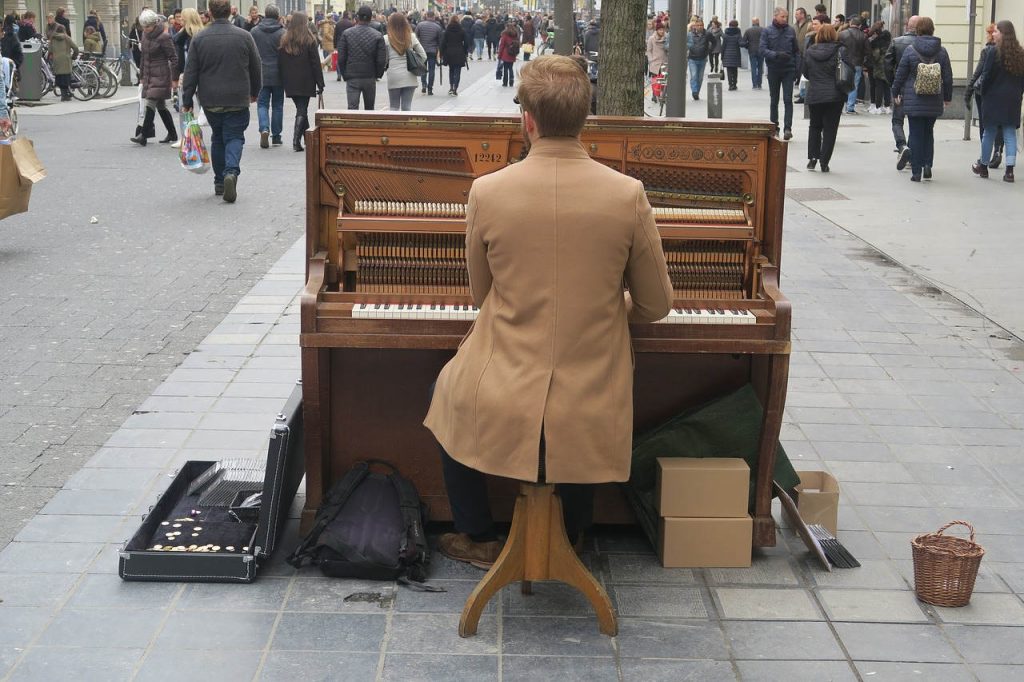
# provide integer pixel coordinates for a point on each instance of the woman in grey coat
(159, 61)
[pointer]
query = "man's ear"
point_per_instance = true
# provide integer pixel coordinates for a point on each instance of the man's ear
(529, 122)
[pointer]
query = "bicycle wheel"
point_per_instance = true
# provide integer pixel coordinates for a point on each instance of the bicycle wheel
(13, 113)
(108, 82)
(85, 82)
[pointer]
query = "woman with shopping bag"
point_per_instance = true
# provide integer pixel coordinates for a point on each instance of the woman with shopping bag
(159, 62)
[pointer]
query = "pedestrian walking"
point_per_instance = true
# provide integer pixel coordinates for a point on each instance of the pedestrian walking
(10, 45)
(494, 31)
(507, 56)
(529, 39)
(973, 93)
(340, 27)
(191, 24)
(362, 59)
(93, 21)
(715, 53)
(454, 53)
(267, 35)
(301, 75)
(657, 53)
(879, 41)
(855, 42)
(698, 46)
(731, 58)
(924, 93)
(60, 17)
(224, 65)
(479, 38)
(781, 52)
(401, 81)
(1002, 89)
(893, 56)
(429, 32)
(752, 41)
(156, 76)
(824, 99)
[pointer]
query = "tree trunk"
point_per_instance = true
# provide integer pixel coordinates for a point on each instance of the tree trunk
(622, 58)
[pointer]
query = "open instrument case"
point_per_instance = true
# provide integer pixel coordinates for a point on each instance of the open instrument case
(234, 539)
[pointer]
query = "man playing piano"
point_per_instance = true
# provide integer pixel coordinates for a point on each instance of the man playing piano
(541, 387)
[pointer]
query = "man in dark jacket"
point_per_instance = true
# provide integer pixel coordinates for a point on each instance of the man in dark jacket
(892, 60)
(752, 41)
(856, 44)
(224, 64)
(592, 39)
(429, 34)
(267, 34)
(780, 52)
(493, 27)
(362, 59)
(344, 24)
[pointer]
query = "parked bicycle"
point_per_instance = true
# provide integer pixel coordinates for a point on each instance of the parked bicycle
(108, 79)
(10, 73)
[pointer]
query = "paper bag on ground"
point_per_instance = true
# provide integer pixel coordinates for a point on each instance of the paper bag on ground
(20, 168)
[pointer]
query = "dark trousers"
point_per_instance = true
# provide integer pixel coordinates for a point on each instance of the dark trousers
(367, 87)
(823, 128)
(301, 106)
(781, 80)
(454, 76)
(756, 69)
(922, 142)
(492, 49)
(881, 93)
(897, 126)
(63, 83)
(471, 509)
(508, 76)
(714, 57)
(427, 79)
(731, 73)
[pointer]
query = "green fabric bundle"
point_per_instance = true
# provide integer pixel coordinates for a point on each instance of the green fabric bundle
(725, 427)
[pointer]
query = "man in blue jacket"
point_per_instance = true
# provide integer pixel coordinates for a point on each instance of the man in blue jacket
(781, 52)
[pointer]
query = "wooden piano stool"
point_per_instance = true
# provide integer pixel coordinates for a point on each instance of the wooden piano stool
(537, 548)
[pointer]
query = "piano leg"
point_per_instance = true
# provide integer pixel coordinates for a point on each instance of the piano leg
(777, 372)
(316, 412)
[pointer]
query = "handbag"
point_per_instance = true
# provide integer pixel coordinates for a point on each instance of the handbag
(844, 73)
(416, 64)
(20, 168)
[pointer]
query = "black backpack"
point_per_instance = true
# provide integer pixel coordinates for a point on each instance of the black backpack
(513, 48)
(370, 526)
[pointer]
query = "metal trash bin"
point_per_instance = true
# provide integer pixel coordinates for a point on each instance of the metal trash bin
(31, 71)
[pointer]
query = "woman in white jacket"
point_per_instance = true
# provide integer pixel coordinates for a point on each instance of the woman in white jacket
(402, 82)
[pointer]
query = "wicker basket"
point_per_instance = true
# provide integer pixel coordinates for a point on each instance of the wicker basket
(945, 566)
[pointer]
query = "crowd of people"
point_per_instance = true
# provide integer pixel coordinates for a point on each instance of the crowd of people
(909, 78)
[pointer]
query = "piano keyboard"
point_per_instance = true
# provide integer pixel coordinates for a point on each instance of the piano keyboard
(433, 311)
(427, 209)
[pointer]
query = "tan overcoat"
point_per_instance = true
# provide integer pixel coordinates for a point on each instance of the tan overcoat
(551, 348)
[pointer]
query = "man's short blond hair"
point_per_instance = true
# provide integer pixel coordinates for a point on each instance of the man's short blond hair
(557, 93)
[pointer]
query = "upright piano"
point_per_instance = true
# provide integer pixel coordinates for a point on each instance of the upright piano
(387, 301)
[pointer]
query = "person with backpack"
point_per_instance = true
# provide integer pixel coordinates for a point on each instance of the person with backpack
(1002, 89)
(923, 87)
(856, 43)
(508, 52)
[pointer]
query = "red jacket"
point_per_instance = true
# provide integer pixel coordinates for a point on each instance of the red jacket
(503, 53)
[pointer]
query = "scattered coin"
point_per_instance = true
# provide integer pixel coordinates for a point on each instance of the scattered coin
(195, 535)
(158, 546)
(216, 548)
(177, 525)
(230, 548)
(197, 528)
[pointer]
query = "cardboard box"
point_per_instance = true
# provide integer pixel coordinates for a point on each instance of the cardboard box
(711, 487)
(705, 543)
(818, 499)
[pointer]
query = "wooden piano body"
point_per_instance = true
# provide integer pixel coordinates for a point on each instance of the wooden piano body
(385, 201)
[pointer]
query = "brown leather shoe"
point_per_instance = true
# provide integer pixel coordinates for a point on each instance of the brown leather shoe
(460, 547)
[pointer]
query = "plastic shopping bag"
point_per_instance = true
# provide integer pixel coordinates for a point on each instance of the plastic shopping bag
(192, 153)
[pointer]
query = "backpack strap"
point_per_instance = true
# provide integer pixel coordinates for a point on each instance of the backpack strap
(329, 508)
(416, 557)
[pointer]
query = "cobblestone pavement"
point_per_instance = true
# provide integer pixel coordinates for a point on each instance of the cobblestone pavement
(912, 399)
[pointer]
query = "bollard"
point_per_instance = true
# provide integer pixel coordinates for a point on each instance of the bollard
(715, 99)
(126, 71)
